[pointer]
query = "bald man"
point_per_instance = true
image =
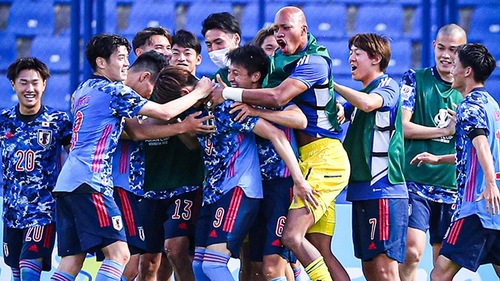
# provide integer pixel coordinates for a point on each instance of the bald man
(426, 95)
(303, 70)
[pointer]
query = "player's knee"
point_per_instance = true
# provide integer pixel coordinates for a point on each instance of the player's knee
(291, 240)
(176, 251)
(413, 255)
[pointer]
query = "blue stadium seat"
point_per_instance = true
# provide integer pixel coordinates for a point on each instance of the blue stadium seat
(8, 50)
(485, 23)
(57, 93)
(494, 48)
(199, 11)
(146, 14)
(400, 58)
(476, 3)
(382, 19)
(30, 19)
(250, 18)
(53, 51)
(339, 53)
(326, 20)
(9, 97)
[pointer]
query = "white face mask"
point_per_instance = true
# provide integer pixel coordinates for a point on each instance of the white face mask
(219, 57)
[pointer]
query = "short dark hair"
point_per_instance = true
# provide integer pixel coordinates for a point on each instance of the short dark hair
(142, 37)
(186, 39)
(27, 63)
(103, 45)
(373, 44)
(151, 61)
(252, 58)
(223, 21)
(170, 82)
(477, 57)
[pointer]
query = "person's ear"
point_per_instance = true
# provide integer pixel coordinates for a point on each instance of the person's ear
(100, 62)
(145, 76)
(256, 76)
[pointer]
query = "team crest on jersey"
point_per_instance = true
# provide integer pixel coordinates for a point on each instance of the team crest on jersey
(141, 233)
(117, 222)
(44, 137)
(5, 249)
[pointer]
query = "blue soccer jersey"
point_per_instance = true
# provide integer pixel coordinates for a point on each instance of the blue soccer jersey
(271, 164)
(31, 150)
(128, 166)
(230, 156)
(478, 110)
(313, 70)
(100, 106)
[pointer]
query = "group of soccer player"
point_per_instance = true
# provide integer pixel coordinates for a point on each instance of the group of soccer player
(171, 174)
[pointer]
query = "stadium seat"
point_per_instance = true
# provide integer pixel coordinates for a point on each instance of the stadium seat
(30, 19)
(494, 48)
(8, 50)
(400, 58)
(150, 14)
(485, 23)
(9, 97)
(326, 20)
(199, 11)
(339, 53)
(57, 93)
(250, 18)
(53, 51)
(382, 19)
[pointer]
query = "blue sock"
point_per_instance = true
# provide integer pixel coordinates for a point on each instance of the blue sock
(61, 276)
(215, 266)
(299, 275)
(199, 253)
(110, 271)
(30, 269)
(16, 274)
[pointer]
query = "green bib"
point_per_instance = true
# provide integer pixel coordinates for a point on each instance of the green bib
(170, 165)
(432, 99)
(359, 140)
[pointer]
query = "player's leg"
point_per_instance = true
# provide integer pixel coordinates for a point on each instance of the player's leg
(132, 222)
(320, 235)
(153, 216)
(179, 232)
(233, 214)
(323, 243)
(418, 224)
(444, 269)
(379, 236)
(381, 268)
(177, 252)
(166, 271)
(36, 253)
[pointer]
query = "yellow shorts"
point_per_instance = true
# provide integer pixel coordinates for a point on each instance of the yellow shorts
(325, 166)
